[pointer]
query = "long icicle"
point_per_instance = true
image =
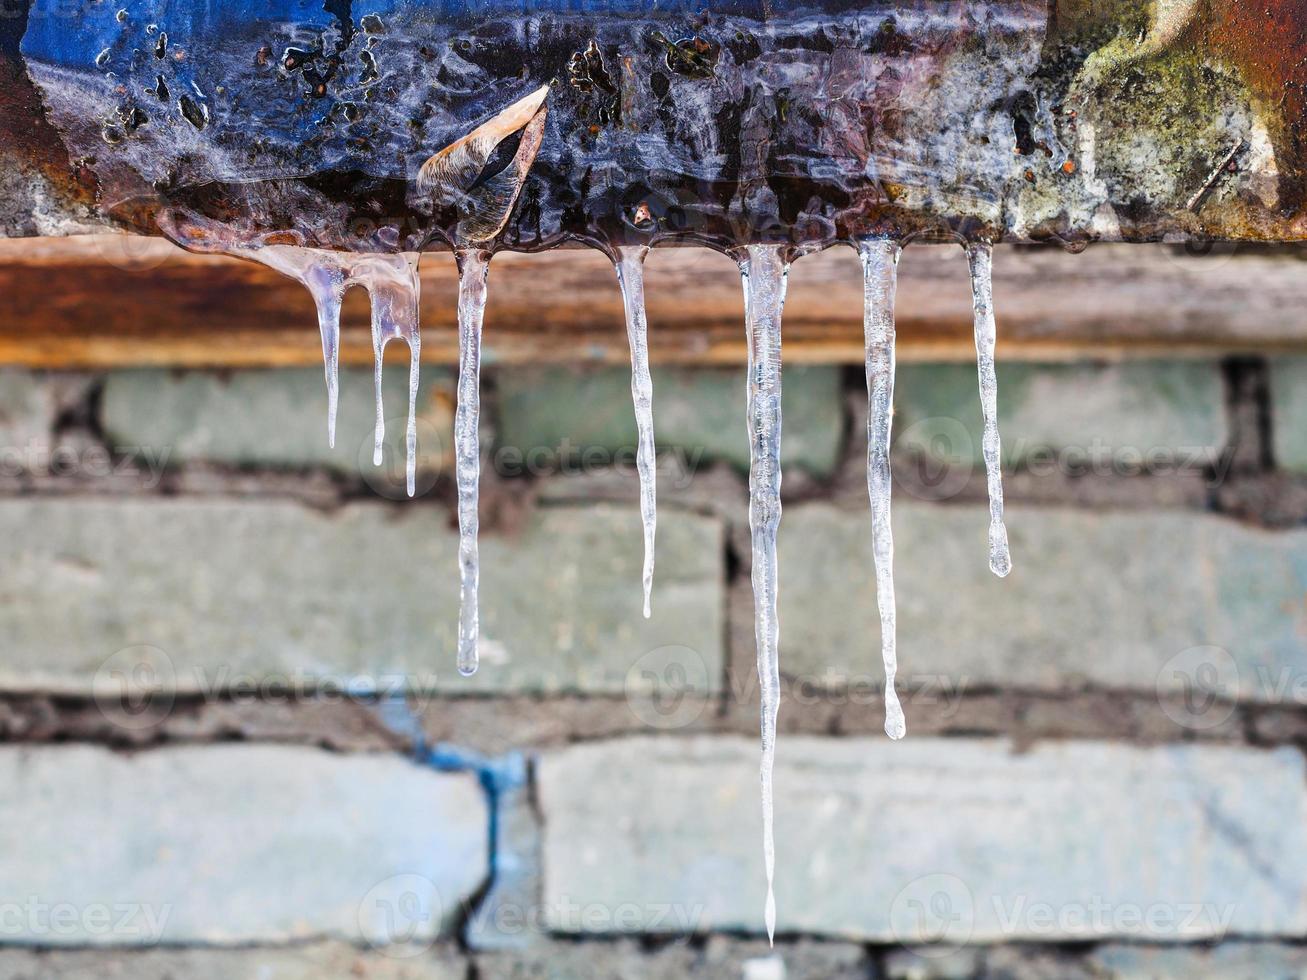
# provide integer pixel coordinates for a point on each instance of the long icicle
(880, 260)
(980, 256)
(764, 272)
(378, 354)
(414, 380)
(473, 268)
(414, 339)
(630, 276)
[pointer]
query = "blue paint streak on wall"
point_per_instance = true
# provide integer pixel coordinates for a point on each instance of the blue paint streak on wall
(502, 778)
(498, 777)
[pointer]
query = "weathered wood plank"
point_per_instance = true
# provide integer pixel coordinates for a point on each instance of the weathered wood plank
(103, 301)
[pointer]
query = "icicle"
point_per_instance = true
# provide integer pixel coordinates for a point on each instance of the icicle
(764, 272)
(393, 284)
(473, 267)
(880, 258)
(324, 274)
(328, 288)
(630, 276)
(379, 422)
(980, 256)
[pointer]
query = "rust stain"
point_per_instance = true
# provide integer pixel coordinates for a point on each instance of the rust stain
(1266, 41)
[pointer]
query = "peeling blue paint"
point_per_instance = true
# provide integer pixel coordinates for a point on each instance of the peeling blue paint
(505, 779)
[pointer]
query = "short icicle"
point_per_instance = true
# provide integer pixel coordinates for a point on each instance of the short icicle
(392, 283)
(880, 259)
(379, 423)
(325, 276)
(473, 268)
(980, 256)
(764, 271)
(630, 276)
(327, 285)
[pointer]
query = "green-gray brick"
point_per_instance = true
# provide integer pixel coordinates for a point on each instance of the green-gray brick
(27, 416)
(562, 411)
(317, 961)
(232, 844)
(1289, 411)
(1123, 415)
(1105, 598)
(1063, 841)
(272, 417)
(719, 958)
(1269, 961)
(239, 591)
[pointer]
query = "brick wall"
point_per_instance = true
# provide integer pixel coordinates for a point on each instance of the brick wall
(234, 744)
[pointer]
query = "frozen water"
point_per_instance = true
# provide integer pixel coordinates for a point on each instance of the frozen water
(880, 258)
(630, 275)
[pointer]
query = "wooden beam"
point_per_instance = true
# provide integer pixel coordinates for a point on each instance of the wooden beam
(110, 301)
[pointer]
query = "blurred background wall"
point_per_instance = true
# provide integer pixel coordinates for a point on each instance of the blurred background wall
(235, 745)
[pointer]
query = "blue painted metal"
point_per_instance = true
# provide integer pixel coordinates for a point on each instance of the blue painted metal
(726, 122)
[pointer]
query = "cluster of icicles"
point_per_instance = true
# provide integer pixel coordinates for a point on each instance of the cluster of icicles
(392, 282)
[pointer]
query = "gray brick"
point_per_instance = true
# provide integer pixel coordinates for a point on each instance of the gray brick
(1228, 961)
(700, 411)
(234, 593)
(232, 844)
(1289, 411)
(994, 845)
(319, 961)
(1110, 598)
(1035, 963)
(28, 405)
(963, 963)
(719, 959)
(274, 417)
(1116, 413)
(997, 963)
